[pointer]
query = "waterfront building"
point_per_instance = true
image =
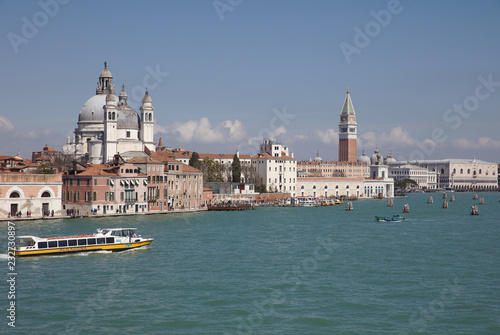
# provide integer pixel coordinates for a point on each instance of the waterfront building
(422, 176)
(184, 184)
(348, 132)
(39, 194)
(334, 169)
(101, 189)
(462, 174)
(108, 125)
(274, 168)
(157, 193)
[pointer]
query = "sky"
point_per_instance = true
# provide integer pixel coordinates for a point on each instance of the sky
(424, 76)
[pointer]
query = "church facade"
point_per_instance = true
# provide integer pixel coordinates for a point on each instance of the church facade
(107, 125)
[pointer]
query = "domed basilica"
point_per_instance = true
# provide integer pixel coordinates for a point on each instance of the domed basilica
(107, 125)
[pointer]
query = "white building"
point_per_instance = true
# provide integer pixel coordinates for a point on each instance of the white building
(276, 170)
(422, 176)
(463, 174)
(107, 125)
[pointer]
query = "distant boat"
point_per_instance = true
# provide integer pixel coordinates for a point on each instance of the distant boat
(394, 218)
(448, 189)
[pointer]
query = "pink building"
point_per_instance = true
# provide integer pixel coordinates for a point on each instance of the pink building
(39, 194)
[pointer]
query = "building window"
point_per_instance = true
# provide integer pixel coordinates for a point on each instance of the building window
(95, 196)
(95, 182)
(128, 134)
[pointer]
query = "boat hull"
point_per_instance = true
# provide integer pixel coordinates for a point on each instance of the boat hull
(67, 250)
(385, 219)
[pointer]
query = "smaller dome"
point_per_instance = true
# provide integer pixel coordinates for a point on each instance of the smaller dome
(146, 98)
(364, 158)
(105, 73)
(123, 93)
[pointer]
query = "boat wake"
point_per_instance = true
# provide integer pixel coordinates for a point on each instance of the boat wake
(4, 256)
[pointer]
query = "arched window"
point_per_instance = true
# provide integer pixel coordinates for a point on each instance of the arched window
(480, 171)
(326, 186)
(468, 171)
(337, 187)
(347, 186)
(302, 187)
(454, 170)
(15, 194)
(45, 194)
(113, 115)
(314, 187)
(461, 171)
(442, 171)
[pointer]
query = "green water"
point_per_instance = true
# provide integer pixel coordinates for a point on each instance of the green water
(272, 271)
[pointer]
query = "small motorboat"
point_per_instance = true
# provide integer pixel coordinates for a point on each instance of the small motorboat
(394, 218)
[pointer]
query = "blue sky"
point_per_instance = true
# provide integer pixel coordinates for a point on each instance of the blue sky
(424, 76)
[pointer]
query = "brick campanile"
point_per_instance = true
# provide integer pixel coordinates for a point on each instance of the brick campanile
(348, 132)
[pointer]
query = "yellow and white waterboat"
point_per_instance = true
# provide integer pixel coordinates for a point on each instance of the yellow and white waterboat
(113, 239)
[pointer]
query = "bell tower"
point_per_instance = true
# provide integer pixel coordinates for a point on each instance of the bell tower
(348, 132)
(110, 144)
(147, 122)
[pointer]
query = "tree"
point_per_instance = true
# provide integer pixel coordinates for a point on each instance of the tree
(212, 170)
(44, 169)
(236, 169)
(405, 183)
(194, 161)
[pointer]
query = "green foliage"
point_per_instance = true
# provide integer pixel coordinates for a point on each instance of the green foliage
(212, 170)
(44, 169)
(260, 188)
(236, 166)
(194, 161)
(405, 183)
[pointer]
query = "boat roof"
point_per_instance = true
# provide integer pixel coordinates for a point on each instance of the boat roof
(118, 228)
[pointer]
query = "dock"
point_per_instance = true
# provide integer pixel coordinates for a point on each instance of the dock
(230, 207)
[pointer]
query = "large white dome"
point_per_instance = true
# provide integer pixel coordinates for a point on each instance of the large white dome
(93, 109)
(93, 112)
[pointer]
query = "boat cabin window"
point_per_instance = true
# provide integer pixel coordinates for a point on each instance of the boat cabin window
(25, 242)
(71, 243)
(52, 244)
(63, 243)
(116, 233)
(110, 240)
(100, 240)
(82, 241)
(91, 241)
(42, 245)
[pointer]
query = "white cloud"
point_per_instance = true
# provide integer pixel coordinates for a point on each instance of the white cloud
(327, 137)
(397, 136)
(481, 143)
(5, 124)
(201, 131)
